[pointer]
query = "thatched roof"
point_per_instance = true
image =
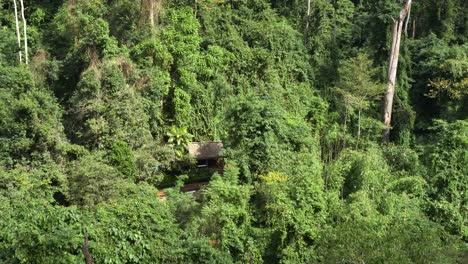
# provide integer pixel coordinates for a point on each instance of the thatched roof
(206, 150)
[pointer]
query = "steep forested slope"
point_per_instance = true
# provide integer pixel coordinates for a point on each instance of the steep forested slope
(96, 116)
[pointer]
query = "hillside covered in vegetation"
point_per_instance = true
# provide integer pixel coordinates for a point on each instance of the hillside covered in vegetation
(344, 125)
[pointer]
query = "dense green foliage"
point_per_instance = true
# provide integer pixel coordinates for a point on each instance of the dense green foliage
(101, 118)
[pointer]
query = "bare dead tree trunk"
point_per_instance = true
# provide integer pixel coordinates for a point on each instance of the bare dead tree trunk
(18, 36)
(392, 70)
(196, 7)
(85, 250)
(25, 34)
(306, 29)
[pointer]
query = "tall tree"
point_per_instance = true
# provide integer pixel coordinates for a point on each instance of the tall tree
(357, 88)
(392, 69)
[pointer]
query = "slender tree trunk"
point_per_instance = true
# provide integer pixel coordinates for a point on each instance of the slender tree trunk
(407, 21)
(306, 29)
(151, 13)
(18, 36)
(345, 128)
(85, 250)
(25, 34)
(358, 128)
(334, 23)
(195, 7)
(392, 70)
(141, 19)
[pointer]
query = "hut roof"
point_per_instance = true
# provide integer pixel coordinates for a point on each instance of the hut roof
(206, 150)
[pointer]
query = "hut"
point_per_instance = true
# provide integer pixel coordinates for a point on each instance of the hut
(208, 155)
(209, 158)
